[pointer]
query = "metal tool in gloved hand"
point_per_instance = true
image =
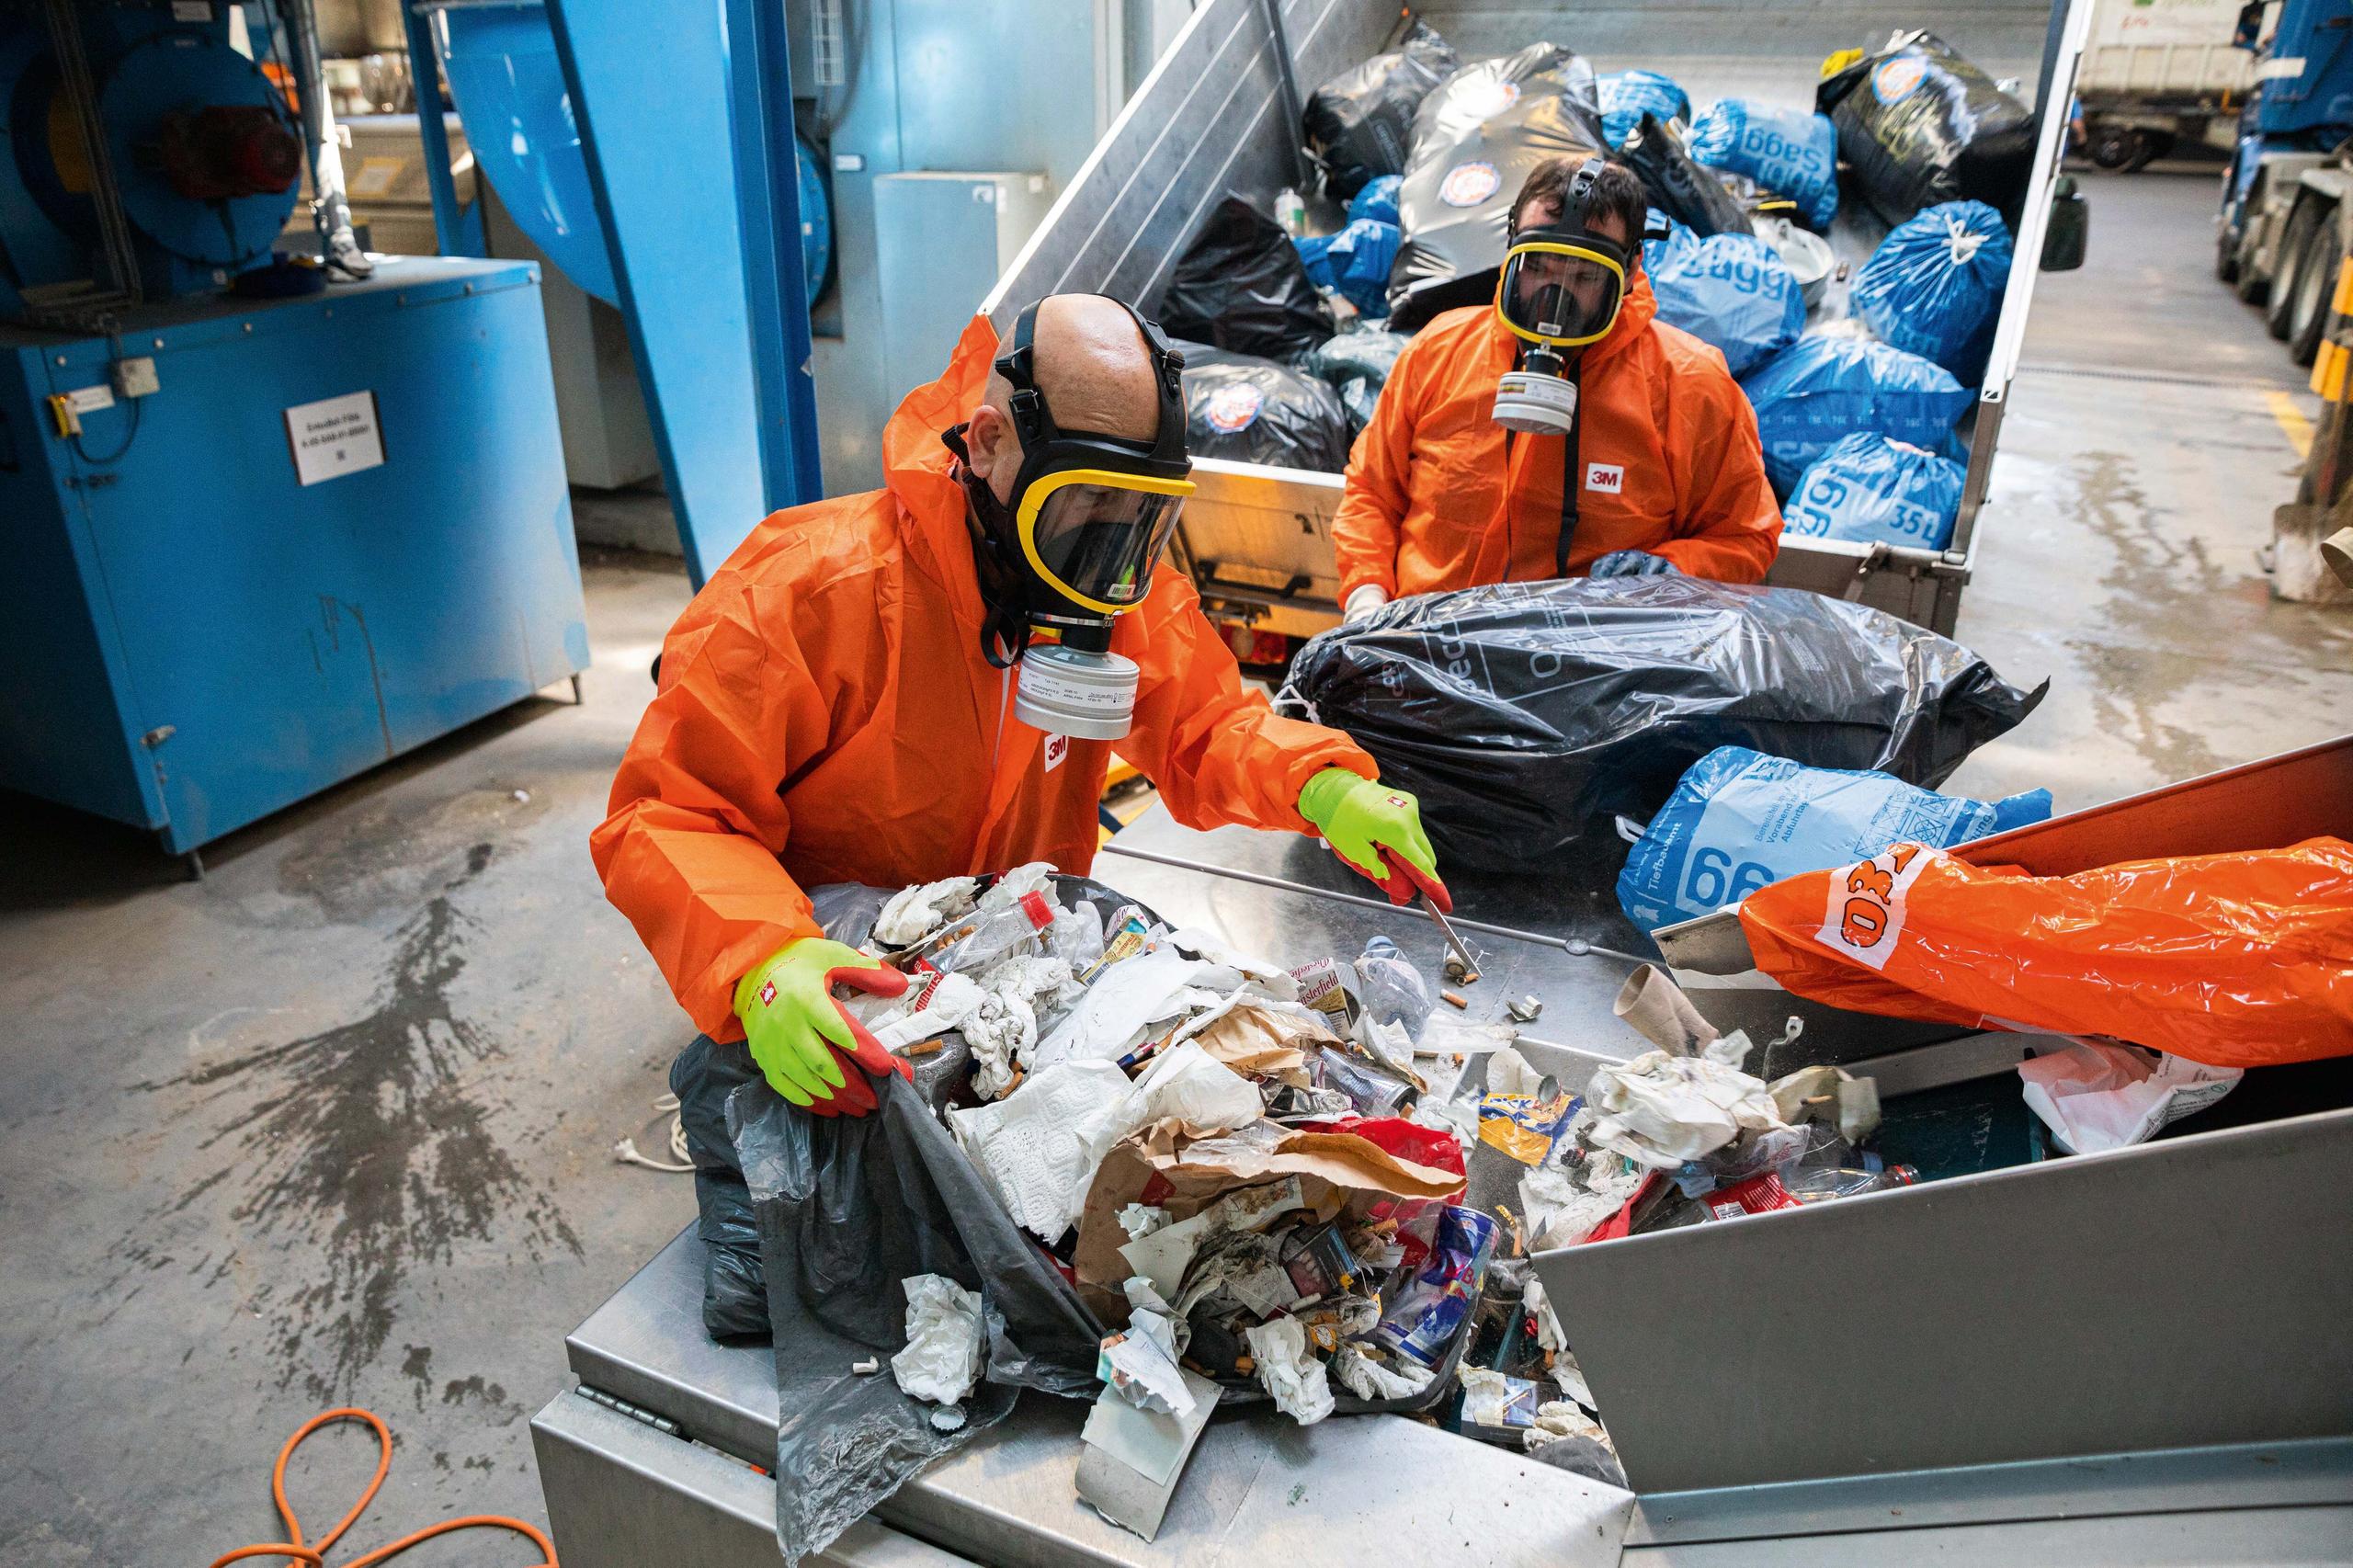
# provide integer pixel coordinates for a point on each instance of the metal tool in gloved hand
(1378, 832)
(800, 1035)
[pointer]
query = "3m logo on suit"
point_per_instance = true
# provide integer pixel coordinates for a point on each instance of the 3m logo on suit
(1607, 478)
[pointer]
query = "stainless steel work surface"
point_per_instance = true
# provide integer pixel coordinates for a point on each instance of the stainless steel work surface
(2183, 1292)
(1286, 897)
(1258, 1484)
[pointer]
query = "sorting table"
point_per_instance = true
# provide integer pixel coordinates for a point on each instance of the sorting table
(650, 1457)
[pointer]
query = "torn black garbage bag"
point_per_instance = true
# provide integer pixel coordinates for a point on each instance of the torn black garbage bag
(1357, 366)
(1359, 124)
(1241, 287)
(1688, 192)
(1476, 139)
(1526, 716)
(1247, 409)
(1918, 123)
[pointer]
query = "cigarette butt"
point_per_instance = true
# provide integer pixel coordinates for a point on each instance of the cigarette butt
(1453, 1000)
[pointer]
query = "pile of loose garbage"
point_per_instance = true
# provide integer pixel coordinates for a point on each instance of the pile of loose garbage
(1134, 1165)
(1858, 375)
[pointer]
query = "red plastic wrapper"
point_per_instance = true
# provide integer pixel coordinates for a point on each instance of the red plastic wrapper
(2243, 960)
(1416, 1219)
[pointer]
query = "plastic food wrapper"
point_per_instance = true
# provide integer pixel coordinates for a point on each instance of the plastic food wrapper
(1290, 1373)
(1476, 139)
(1934, 286)
(1661, 1110)
(1359, 125)
(2095, 1097)
(1794, 151)
(1357, 366)
(1246, 408)
(1240, 287)
(1732, 291)
(1874, 489)
(1627, 95)
(1822, 388)
(943, 1360)
(1422, 1321)
(1525, 1126)
(2240, 959)
(1677, 186)
(1920, 124)
(1392, 989)
(1353, 263)
(1739, 820)
(1526, 716)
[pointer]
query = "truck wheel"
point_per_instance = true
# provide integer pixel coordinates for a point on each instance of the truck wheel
(2113, 147)
(2287, 274)
(2250, 285)
(2315, 288)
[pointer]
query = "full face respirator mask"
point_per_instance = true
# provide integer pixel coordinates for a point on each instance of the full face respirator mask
(1561, 289)
(1075, 546)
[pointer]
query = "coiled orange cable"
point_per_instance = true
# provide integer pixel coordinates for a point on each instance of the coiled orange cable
(294, 1550)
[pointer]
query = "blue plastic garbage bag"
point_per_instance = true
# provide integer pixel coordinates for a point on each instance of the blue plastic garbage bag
(1740, 819)
(1821, 390)
(1791, 151)
(1377, 200)
(1872, 489)
(1626, 96)
(1356, 261)
(1934, 286)
(1731, 291)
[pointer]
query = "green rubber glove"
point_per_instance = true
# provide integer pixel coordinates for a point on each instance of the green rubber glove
(1377, 831)
(798, 1033)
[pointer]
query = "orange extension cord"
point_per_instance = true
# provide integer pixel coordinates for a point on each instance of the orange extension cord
(293, 1549)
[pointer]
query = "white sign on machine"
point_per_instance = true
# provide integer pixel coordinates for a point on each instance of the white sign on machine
(334, 437)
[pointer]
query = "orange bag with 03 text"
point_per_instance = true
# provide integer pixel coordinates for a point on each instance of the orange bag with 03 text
(2242, 959)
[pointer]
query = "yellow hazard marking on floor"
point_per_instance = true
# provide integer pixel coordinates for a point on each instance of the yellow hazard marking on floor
(2293, 422)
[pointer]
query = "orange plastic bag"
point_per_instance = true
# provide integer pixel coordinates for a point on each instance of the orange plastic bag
(2235, 961)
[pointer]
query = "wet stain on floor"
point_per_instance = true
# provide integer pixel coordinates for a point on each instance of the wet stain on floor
(363, 1151)
(378, 859)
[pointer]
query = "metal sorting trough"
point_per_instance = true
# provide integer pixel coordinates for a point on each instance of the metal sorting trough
(1209, 120)
(2123, 1320)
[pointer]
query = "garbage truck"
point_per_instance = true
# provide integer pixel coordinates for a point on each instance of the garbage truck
(2161, 73)
(2276, 237)
(1220, 114)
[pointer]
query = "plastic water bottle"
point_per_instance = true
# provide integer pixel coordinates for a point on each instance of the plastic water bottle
(1824, 1183)
(1291, 211)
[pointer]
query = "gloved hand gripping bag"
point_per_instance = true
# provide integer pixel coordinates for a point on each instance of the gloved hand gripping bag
(1526, 716)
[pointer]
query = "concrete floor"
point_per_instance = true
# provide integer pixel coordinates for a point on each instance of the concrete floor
(335, 1124)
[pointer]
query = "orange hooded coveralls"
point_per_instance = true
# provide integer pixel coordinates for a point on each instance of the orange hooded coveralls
(825, 715)
(1438, 500)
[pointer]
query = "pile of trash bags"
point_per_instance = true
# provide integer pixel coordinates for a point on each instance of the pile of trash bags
(1428, 152)
(1526, 716)
(1246, 408)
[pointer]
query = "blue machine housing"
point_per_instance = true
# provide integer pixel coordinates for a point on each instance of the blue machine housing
(147, 66)
(191, 638)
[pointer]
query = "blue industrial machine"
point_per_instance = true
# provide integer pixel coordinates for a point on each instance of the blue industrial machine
(265, 531)
(2302, 109)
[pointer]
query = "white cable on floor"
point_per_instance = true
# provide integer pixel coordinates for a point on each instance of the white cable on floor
(626, 1150)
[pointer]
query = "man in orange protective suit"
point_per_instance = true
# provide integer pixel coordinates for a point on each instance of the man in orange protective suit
(1671, 477)
(850, 698)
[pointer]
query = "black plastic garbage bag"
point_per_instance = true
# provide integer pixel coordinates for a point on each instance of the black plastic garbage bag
(849, 1206)
(1476, 139)
(1240, 286)
(1357, 366)
(1246, 409)
(1919, 124)
(1359, 124)
(1526, 716)
(1685, 191)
